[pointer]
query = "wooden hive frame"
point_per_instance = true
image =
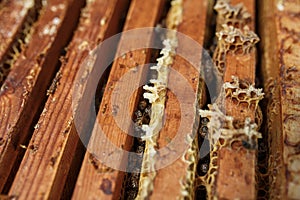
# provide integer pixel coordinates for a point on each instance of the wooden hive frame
(48, 150)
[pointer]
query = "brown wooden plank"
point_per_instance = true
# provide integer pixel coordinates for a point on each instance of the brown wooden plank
(269, 48)
(94, 182)
(237, 170)
(25, 88)
(168, 180)
(52, 148)
(250, 6)
(16, 15)
(237, 167)
(280, 70)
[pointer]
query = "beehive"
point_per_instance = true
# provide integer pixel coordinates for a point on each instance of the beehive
(160, 99)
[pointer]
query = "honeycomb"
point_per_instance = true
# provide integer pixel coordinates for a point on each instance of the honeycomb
(156, 95)
(243, 92)
(190, 157)
(223, 131)
(220, 130)
(223, 134)
(217, 129)
(236, 16)
(131, 183)
(221, 126)
(21, 40)
(232, 40)
(269, 188)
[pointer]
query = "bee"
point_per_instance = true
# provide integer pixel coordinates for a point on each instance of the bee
(54, 83)
(249, 145)
(143, 113)
(204, 120)
(203, 129)
(204, 168)
(143, 105)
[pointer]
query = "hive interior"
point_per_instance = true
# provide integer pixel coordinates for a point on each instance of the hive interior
(216, 129)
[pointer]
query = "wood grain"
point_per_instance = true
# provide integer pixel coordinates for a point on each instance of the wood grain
(280, 70)
(25, 88)
(13, 23)
(47, 161)
(17, 16)
(167, 181)
(94, 182)
(54, 165)
(236, 180)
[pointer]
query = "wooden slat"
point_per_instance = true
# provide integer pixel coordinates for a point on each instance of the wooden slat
(55, 143)
(240, 164)
(236, 168)
(272, 89)
(16, 14)
(280, 70)
(92, 182)
(52, 148)
(250, 6)
(25, 88)
(168, 180)
(13, 23)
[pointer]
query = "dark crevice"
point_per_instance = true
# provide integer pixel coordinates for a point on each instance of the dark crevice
(142, 116)
(83, 141)
(79, 152)
(84, 125)
(104, 78)
(210, 44)
(131, 182)
(201, 192)
(211, 94)
(101, 88)
(44, 98)
(19, 40)
(263, 144)
(8, 61)
(73, 172)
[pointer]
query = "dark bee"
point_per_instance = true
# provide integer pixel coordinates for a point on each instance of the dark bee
(249, 145)
(143, 114)
(142, 105)
(203, 129)
(204, 168)
(54, 83)
(204, 120)
(203, 165)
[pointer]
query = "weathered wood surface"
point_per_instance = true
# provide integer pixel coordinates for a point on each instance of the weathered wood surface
(24, 89)
(237, 167)
(52, 148)
(167, 182)
(16, 14)
(94, 181)
(53, 157)
(279, 29)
